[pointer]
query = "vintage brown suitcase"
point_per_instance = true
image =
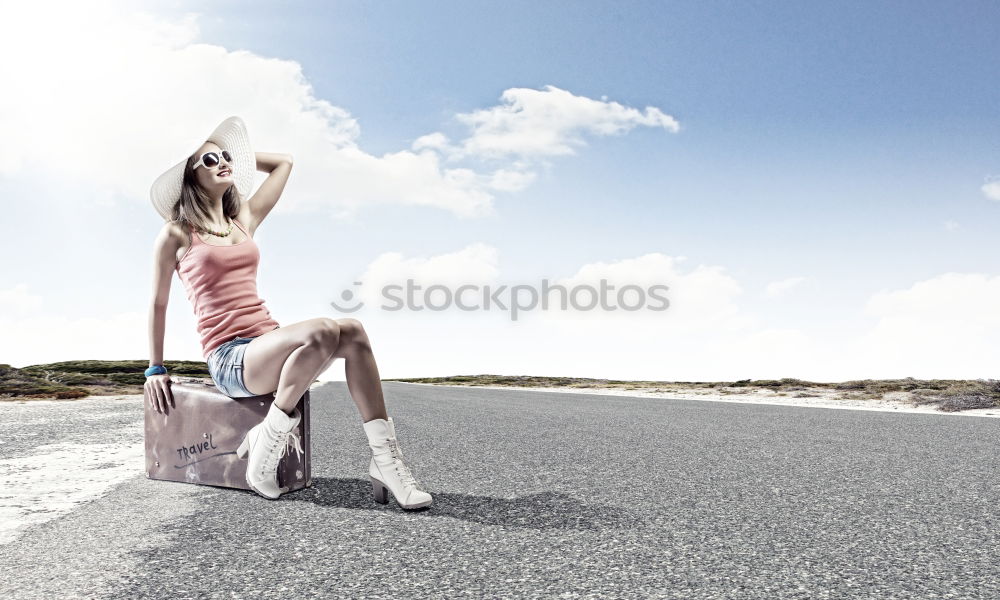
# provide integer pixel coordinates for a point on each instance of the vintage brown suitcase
(196, 441)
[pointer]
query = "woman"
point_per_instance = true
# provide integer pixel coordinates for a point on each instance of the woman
(208, 240)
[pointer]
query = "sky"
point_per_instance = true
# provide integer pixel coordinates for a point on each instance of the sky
(817, 185)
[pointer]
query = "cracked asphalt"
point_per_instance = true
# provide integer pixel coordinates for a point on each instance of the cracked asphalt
(541, 495)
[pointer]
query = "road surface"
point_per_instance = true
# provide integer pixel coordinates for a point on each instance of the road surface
(536, 495)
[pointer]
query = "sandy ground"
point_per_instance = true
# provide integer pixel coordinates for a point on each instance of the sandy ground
(57, 454)
(890, 402)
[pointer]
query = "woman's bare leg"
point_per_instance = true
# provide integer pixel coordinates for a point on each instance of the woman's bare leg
(360, 369)
(288, 359)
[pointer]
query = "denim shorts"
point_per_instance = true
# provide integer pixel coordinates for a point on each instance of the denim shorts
(225, 365)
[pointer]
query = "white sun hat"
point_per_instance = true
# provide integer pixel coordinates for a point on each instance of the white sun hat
(230, 135)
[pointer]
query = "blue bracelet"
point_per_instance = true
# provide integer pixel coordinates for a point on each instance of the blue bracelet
(156, 370)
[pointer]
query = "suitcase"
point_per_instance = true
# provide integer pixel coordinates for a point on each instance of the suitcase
(196, 441)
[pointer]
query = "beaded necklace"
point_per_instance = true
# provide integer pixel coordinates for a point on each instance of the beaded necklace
(215, 233)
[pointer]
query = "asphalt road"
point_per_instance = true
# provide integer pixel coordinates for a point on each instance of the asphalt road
(543, 495)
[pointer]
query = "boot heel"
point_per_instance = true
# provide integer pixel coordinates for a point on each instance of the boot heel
(244, 448)
(380, 492)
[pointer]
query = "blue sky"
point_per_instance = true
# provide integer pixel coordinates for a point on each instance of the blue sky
(845, 147)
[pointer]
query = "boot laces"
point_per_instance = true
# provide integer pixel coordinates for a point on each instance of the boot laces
(278, 447)
(405, 476)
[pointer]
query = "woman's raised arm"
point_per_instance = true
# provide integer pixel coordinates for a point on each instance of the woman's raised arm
(260, 204)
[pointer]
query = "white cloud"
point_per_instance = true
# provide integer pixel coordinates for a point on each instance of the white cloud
(477, 263)
(433, 141)
(511, 180)
(951, 225)
(703, 333)
(109, 98)
(704, 296)
(549, 122)
(946, 326)
(700, 298)
(991, 189)
(777, 289)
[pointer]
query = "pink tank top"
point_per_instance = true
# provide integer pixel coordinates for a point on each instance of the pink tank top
(221, 283)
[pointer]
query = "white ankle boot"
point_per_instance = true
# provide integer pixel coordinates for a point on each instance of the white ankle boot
(387, 471)
(266, 444)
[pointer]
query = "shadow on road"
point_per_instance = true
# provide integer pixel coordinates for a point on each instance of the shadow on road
(542, 510)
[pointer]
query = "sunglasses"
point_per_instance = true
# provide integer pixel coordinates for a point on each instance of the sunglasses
(211, 159)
